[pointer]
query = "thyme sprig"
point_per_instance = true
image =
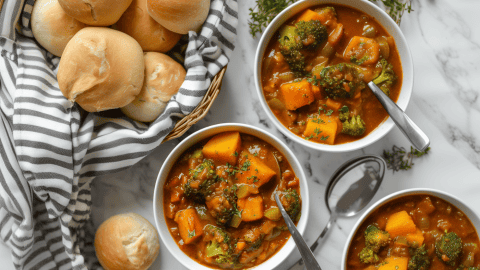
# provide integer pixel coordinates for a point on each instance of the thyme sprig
(266, 10)
(400, 159)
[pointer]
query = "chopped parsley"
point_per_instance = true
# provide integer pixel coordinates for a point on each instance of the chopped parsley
(344, 109)
(329, 112)
(191, 234)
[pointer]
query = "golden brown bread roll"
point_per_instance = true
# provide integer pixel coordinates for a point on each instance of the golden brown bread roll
(150, 35)
(101, 69)
(52, 27)
(95, 12)
(126, 241)
(163, 78)
(179, 16)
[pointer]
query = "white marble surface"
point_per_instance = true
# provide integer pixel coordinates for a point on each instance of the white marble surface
(444, 37)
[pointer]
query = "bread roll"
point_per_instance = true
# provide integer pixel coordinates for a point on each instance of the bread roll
(150, 35)
(95, 12)
(163, 78)
(52, 27)
(179, 16)
(126, 241)
(101, 69)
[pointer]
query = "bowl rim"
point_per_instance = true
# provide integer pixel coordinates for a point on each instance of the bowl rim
(407, 68)
(452, 199)
(208, 132)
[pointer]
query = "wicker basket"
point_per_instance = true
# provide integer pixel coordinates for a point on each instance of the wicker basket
(201, 110)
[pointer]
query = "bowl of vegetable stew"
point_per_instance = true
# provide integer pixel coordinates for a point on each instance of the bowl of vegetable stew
(415, 229)
(311, 69)
(213, 200)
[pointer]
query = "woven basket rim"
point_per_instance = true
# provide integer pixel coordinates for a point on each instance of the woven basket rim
(201, 110)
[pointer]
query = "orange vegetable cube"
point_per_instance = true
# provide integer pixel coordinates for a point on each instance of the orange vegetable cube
(395, 263)
(321, 130)
(189, 225)
(253, 171)
(332, 104)
(297, 94)
(364, 50)
(222, 147)
(310, 15)
(400, 224)
(251, 207)
(317, 93)
(416, 237)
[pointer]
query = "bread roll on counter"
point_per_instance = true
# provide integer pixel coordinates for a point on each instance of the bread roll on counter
(163, 78)
(126, 241)
(95, 12)
(150, 35)
(52, 27)
(101, 69)
(179, 16)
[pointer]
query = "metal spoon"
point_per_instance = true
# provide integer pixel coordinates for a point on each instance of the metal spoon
(416, 136)
(356, 197)
(307, 255)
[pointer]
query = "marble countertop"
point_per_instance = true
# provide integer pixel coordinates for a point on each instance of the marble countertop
(444, 38)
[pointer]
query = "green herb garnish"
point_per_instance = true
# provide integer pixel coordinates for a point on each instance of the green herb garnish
(400, 159)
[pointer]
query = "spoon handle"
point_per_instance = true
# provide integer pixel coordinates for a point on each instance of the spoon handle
(299, 265)
(307, 255)
(416, 136)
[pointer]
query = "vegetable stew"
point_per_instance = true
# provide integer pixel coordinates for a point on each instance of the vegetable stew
(415, 232)
(219, 204)
(314, 74)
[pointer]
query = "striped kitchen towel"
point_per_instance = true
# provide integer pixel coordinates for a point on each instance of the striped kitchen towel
(51, 150)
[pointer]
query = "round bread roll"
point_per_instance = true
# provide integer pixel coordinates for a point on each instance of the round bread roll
(52, 27)
(95, 12)
(150, 35)
(101, 69)
(163, 78)
(126, 241)
(179, 16)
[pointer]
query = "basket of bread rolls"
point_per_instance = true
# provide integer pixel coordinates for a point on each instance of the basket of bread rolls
(89, 88)
(120, 54)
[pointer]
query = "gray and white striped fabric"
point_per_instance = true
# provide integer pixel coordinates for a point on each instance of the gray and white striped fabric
(51, 150)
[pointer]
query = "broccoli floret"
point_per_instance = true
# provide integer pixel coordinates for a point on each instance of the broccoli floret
(419, 260)
(376, 238)
(354, 127)
(344, 113)
(368, 256)
(386, 78)
(449, 248)
(341, 81)
(202, 178)
(221, 247)
(295, 60)
(291, 202)
(311, 33)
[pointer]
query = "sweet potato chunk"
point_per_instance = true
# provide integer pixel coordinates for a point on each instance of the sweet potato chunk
(253, 171)
(251, 207)
(395, 263)
(416, 237)
(365, 51)
(310, 15)
(400, 224)
(320, 130)
(297, 94)
(222, 147)
(189, 225)
(332, 104)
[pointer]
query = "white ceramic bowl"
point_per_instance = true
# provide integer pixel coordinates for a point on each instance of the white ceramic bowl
(415, 191)
(390, 26)
(197, 137)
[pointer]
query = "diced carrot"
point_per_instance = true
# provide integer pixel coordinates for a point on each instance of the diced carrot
(253, 171)
(365, 50)
(320, 130)
(297, 94)
(335, 105)
(293, 183)
(310, 15)
(240, 246)
(222, 147)
(189, 225)
(175, 195)
(336, 35)
(400, 223)
(395, 263)
(251, 207)
(416, 238)
(327, 16)
(317, 93)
